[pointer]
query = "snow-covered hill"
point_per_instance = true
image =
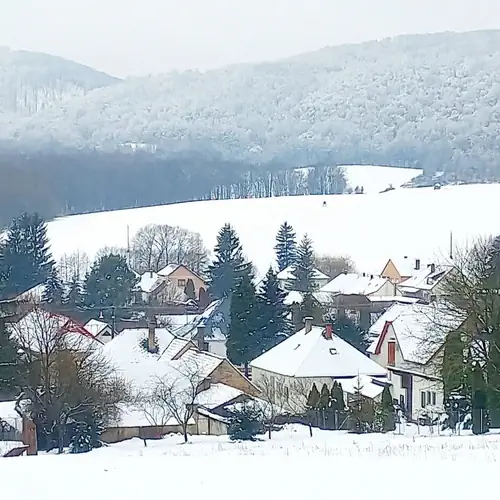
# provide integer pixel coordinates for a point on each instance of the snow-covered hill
(375, 179)
(31, 82)
(431, 99)
(370, 227)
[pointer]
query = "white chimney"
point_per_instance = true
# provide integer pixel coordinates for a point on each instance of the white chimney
(308, 321)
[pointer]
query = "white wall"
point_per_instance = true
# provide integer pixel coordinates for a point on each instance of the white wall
(217, 347)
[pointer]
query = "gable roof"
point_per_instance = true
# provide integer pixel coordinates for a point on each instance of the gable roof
(426, 278)
(354, 284)
(168, 270)
(95, 327)
(149, 281)
(287, 274)
(420, 329)
(312, 355)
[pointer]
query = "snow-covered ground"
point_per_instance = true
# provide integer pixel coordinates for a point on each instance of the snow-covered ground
(292, 465)
(376, 178)
(370, 227)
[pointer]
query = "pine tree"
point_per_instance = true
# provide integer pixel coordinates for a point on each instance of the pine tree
(286, 246)
(10, 368)
(324, 398)
(345, 328)
(225, 272)
(387, 412)
(53, 292)
(304, 270)
(110, 282)
(190, 290)
(27, 260)
(241, 343)
(75, 295)
(313, 398)
(273, 314)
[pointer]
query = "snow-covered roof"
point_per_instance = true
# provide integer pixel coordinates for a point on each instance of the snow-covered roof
(425, 279)
(406, 265)
(287, 274)
(393, 298)
(168, 270)
(312, 355)
(189, 329)
(217, 395)
(354, 284)
(420, 329)
(39, 328)
(364, 384)
(149, 281)
(34, 294)
(9, 414)
(95, 327)
(144, 415)
(293, 297)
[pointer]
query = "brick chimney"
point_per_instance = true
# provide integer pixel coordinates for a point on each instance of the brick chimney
(328, 331)
(200, 337)
(308, 323)
(417, 264)
(151, 334)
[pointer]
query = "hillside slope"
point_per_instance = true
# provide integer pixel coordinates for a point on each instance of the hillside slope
(422, 100)
(31, 82)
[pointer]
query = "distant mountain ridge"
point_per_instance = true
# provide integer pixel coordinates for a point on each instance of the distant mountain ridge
(31, 82)
(429, 101)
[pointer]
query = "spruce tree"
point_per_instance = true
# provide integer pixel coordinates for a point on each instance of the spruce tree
(273, 314)
(304, 270)
(190, 290)
(387, 412)
(286, 246)
(229, 265)
(53, 292)
(241, 343)
(345, 328)
(324, 398)
(110, 282)
(313, 398)
(27, 260)
(75, 295)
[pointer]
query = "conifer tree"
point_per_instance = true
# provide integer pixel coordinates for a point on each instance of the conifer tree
(303, 280)
(387, 411)
(190, 290)
(110, 282)
(324, 398)
(241, 343)
(53, 292)
(286, 246)
(345, 328)
(273, 314)
(229, 265)
(337, 405)
(313, 398)
(27, 260)
(75, 294)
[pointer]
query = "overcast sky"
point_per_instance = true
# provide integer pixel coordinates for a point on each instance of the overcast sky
(136, 37)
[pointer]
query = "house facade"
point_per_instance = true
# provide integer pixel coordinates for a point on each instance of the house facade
(399, 270)
(408, 341)
(178, 275)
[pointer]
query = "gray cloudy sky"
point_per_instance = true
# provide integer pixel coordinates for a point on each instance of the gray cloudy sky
(135, 37)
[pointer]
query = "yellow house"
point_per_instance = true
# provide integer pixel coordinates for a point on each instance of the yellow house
(178, 275)
(401, 269)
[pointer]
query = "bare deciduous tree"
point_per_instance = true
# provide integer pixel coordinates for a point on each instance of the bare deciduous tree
(66, 376)
(156, 245)
(107, 250)
(74, 265)
(334, 265)
(174, 394)
(275, 398)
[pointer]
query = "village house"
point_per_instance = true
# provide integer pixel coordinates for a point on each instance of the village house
(286, 276)
(408, 341)
(426, 284)
(178, 275)
(315, 355)
(399, 270)
(100, 330)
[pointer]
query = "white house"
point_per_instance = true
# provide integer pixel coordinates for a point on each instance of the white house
(408, 341)
(426, 283)
(100, 330)
(286, 276)
(315, 355)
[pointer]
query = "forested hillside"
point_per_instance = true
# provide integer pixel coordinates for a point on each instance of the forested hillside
(431, 101)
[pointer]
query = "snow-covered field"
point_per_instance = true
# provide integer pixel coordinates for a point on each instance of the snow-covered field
(292, 465)
(370, 227)
(376, 178)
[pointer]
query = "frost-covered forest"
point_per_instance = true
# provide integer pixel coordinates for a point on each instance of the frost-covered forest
(431, 101)
(31, 82)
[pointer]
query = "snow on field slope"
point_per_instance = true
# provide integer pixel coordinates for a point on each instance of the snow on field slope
(291, 466)
(375, 178)
(370, 228)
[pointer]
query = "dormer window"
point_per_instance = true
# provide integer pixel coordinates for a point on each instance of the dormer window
(333, 351)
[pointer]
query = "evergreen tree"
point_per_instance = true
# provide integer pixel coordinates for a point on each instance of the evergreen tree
(361, 411)
(110, 282)
(324, 398)
(245, 423)
(337, 405)
(479, 401)
(53, 292)
(75, 295)
(304, 270)
(313, 398)
(229, 265)
(190, 290)
(274, 324)
(345, 328)
(387, 412)
(241, 343)
(286, 246)
(453, 364)
(10, 368)
(27, 260)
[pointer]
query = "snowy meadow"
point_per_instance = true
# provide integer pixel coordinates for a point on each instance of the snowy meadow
(291, 465)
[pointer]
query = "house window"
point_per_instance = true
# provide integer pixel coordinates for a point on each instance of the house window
(427, 398)
(391, 353)
(181, 283)
(423, 399)
(206, 347)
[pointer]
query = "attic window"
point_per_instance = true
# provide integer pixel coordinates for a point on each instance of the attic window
(333, 351)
